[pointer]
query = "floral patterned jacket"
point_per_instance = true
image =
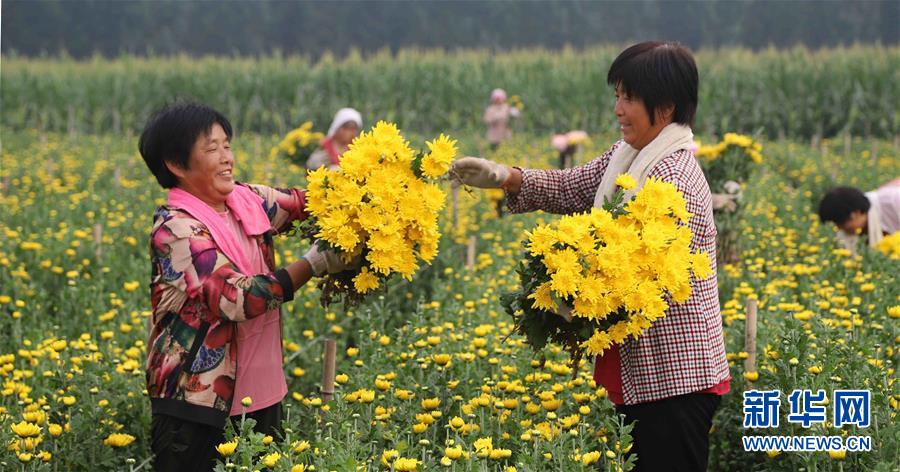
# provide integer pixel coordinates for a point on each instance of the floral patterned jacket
(198, 295)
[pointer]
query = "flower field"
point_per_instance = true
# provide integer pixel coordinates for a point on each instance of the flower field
(429, 377)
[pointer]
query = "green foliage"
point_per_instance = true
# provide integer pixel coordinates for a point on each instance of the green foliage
(791, 93)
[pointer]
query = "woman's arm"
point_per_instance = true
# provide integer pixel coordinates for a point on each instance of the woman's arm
(192, 269)
(556, 191)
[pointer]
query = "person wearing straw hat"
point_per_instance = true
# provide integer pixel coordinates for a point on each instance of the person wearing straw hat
(669, 380)
(216, 296)
(345, 126)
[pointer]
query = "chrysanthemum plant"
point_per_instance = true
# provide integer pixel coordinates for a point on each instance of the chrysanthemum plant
(731, 160)
(298, 144)
(381, 206)
(728, 165)
(592, 280)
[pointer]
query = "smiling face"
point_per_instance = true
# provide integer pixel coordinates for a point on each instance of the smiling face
(634, 121)
(208, 175)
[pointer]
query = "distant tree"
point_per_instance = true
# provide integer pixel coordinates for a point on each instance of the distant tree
(82, 28)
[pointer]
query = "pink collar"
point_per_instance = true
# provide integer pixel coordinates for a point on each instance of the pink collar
(247, 208)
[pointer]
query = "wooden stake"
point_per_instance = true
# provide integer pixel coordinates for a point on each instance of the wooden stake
(847, 142)
(117, 176)
(117, 121)
(98, 240)
(328, 370)
(454, 207)
(470, 253)
(71, 121)
(750, 336)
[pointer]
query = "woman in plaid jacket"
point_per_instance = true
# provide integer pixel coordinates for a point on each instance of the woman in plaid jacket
(670, 379)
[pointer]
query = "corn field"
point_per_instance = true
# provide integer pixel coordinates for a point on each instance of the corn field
(793, 93)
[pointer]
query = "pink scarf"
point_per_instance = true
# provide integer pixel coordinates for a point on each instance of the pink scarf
(247, 208)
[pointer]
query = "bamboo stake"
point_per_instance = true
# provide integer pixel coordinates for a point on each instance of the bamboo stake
(750, 336)
(98, 240)
(470, 253)
(328, 370)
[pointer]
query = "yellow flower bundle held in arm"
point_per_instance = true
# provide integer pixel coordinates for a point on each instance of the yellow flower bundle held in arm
(298, 144)
(381, 205)
(615, 270)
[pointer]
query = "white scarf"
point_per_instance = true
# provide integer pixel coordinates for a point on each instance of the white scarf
(638, 164)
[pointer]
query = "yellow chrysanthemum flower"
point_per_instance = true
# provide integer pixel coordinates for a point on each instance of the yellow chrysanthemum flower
(365, 281)
(625, 181)
(118, 440)
(25, 429)
(226, 449)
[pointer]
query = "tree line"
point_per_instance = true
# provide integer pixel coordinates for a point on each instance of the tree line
(84, 28)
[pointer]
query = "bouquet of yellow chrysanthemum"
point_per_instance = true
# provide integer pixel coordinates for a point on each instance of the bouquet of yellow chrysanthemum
(592, 280)
(298, 144)
(890, 246)
(727, 166)
(515, 101)
(732, 159)
(382, 205)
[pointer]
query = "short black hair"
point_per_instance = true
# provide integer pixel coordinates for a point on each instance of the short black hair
(839, 202)
(660, 74)
(170, 135)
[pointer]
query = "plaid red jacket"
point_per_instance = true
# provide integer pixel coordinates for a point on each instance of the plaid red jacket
(683, 352)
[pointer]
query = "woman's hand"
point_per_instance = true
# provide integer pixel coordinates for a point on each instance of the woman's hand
(478, 172)
(327, 261)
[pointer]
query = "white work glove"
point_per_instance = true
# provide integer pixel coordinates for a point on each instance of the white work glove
(326, 261)
(723, 201)
(565, 312)
(478, 172)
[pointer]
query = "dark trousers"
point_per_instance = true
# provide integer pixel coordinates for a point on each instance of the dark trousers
(181, 445)
(672, 434)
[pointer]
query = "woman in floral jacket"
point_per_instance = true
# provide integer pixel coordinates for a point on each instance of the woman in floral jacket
(215, 333)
